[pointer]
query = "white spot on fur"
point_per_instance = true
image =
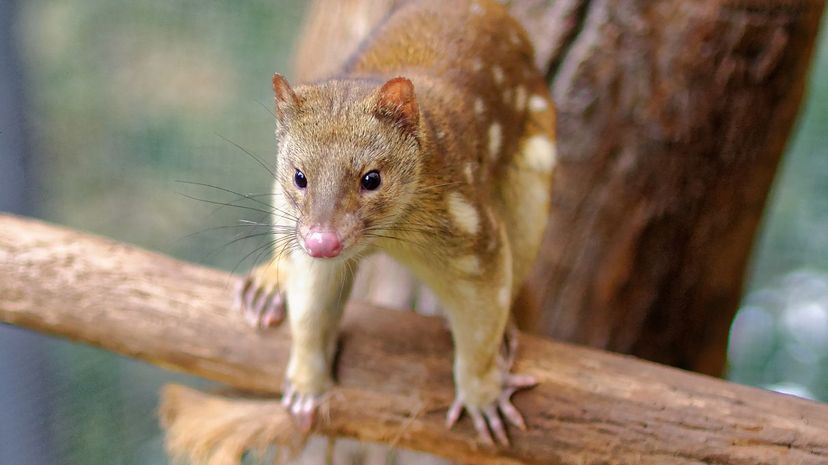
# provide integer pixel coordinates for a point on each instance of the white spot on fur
(475, 8)
(477, 65)
(463, 214)
(520, 98)
(537, 103)
(540, 153)
(468, 264)
(469, 172)
(497, 73)
(503, 296)
(479, 107)
(495, 139)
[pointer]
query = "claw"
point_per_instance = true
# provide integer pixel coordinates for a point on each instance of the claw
(454, 412)
(260, 306)
(258, 303)
(489, 420)
(250, 291)
(302, 408)
(274, 313)
(496, 424)
(305, 415)
(521, 381)
(481, 426)
(509, 411)
(287, 397)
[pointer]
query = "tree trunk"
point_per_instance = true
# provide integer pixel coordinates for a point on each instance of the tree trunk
(673, 116)
(672, 119)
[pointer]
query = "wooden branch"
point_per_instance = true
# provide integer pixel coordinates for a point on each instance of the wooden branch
(394, 370)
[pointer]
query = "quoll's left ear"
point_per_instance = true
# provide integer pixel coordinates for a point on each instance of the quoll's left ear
(396, 103)
(287, 103)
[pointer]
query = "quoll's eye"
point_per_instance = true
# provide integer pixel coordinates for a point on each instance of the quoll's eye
(371, 180)
(300, 179)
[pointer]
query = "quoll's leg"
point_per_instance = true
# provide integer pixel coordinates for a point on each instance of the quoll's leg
(478, 314)
(260, 295)
(317, 293)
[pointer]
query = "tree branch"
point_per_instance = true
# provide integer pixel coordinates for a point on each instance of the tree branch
(394, 370)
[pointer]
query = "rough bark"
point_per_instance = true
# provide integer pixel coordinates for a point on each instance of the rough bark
(673, 116)
(394, 368)
(672, 119)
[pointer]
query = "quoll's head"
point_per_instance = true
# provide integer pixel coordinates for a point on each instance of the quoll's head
(348, 160)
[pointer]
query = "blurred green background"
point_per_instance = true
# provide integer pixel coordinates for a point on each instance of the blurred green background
(106, 105)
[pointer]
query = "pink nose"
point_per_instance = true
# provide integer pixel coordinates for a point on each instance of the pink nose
(323, 244)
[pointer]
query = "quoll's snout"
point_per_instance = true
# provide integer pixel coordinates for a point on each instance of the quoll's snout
(322, 243)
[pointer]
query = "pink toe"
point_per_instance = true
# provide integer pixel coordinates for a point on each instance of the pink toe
(481, 427)
(511, 413)
(259, 303)
(521, 381)
(248, 295)
(496, 425)
(287, 397)
(275, 312)
(454, 413)
(307, 413)
(238, 292)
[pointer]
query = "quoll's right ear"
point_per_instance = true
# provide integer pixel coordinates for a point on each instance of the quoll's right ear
(287, 103)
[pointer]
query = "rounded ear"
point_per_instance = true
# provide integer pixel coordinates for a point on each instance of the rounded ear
(287, 102)
(396, 103)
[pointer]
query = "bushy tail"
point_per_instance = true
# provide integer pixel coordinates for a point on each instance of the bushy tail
(217, 430)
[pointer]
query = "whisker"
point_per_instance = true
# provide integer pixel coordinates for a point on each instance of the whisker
(267, 109)
(218, 228)
(400, 239)
(261, 163)
(261, 249)
(273, 208)
(226, 204)
(249, 236)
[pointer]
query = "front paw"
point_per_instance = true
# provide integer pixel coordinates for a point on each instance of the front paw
(306, 385)
(486, 413)
(259, 299)
(303, 407)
